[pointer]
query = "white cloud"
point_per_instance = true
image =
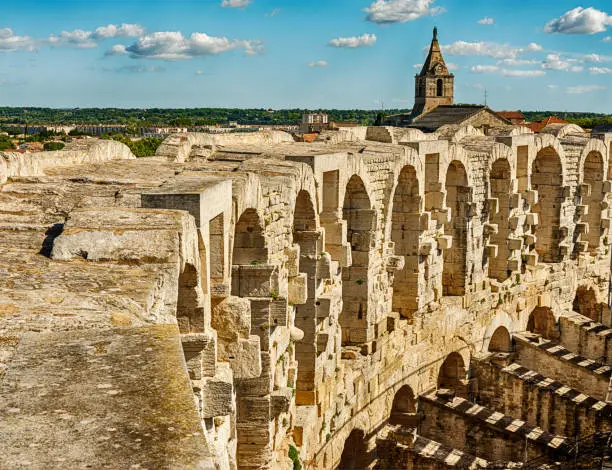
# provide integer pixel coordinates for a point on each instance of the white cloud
(489, 49)
(533, 47)
(274, 12)
(552, 87)
(607, 39)
(77, 38)
(517, 62)
(172, 45)
(317, 63)
(417, 66)
(452, 66)
(484, 69)
(556, 62)
(354, 41)
(600, 70)
(86, 39)
(117, 49)
(598, 59)
(581, 89)
(200, 72)
(401, 11)
(486, 20)
(580, 21)
(235, 3)
(118, 31)
(523, 73)
(9, 42)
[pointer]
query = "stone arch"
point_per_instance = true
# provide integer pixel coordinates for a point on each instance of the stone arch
(457, 200)
(586, 303)
(501, 187)
(547, 180)
(190, 307)
(452, 372)
(249, 240)
(404, 408)
(405, 234)
(307, 238)
(542, 321)
(593, 174)
(360, 220)
(501, 341)
(355, 455)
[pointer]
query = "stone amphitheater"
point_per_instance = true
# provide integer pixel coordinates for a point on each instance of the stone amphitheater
(379, 298)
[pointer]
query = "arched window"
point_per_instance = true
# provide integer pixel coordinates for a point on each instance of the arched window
(440, 87)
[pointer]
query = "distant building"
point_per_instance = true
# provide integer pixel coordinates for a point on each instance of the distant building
(539, 125)
(434, 97)
(314, 122)
(515, 117)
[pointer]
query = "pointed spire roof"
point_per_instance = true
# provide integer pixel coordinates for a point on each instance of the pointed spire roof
(434, 58)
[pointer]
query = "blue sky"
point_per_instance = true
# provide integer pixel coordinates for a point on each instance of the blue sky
(536, 54)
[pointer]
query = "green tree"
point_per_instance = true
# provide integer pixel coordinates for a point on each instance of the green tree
(6, 143)
(50, 146)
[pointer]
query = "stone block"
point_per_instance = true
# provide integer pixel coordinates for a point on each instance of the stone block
(530, 239)
(324, 266)
(298, 289)
(584, 190)
(582, 210)
(280, 401)
(200, 352)
(217, 399)
(491, 251)
(532, 219)
(342, 253)
(491, 229)
(515, 201)
(443, 216)
(245, 358)
(278, 312)
(515, 243)
(607, 187)
(232, 318)
(445, 242)
(582, 246)
(531, 259)
(582, 228)
(395, 263)
(493, 205)
(514, 222)
(544, 300)
(434, 200)
(323, 306)
(293, 260)
(426, 248)
(514, 264)
(255, 280)
(531, 196)
(605, 223)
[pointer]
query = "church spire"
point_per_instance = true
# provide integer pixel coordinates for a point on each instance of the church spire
(435, 36)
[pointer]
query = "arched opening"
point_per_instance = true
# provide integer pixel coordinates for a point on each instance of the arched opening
(452, 373)
(501, 342)
(190, 305)
(593, 176)
(361, 231)
(440, 87)
(249, 240)
(355, 455)
(457, 199)
(403, 410)
(500, 189)
(542, 322)
(422, 88)
(405, 233)
(546, 179)
(306, 236)
(585, 303)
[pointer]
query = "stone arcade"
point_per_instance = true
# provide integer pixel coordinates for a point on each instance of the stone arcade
(380, 297)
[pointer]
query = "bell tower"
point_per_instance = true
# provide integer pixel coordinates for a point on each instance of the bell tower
(434, 86)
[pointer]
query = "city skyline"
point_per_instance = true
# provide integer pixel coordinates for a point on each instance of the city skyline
(318, 54)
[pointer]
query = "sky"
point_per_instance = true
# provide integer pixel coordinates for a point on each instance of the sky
(526, 54)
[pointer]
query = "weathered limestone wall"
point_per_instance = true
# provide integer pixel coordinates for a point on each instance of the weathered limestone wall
(312, 282)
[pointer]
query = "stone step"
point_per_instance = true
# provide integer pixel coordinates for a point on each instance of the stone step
(400, 447)
(540, 401)
(586, 337)
(537, 353)
(488, 433)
